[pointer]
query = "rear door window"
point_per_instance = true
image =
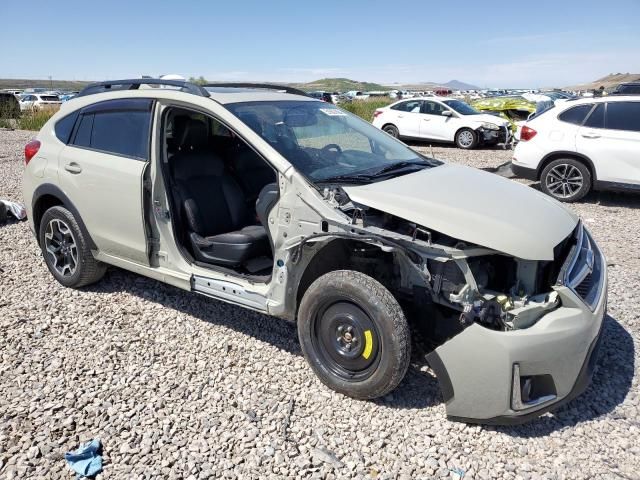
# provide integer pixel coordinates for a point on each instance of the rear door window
(575, 115)
(623, 116)
(412, 106)
(596, 118)
(120, 127)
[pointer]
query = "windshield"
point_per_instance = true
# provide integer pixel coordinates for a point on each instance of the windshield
(324, 142)
(461, 107)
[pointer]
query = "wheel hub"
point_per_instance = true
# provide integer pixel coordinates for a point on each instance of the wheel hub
(60, 246)
(347, 339)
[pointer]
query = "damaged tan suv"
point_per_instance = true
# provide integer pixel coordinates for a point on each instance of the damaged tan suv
(263, 197)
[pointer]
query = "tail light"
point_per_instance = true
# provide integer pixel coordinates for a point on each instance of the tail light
(30, 149)
(527, 133)
(377, 113)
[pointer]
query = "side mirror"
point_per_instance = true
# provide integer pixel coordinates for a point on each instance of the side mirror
(447, 113)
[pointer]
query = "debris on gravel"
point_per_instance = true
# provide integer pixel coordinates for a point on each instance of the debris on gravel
(180, 386)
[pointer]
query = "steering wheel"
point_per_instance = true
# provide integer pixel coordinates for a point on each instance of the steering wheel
(332, 148)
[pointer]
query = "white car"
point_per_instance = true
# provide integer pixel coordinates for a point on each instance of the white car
(441, 119)
(580, 145)
(36, 101)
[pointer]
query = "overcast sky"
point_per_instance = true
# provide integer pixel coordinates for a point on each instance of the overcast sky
(490, 44)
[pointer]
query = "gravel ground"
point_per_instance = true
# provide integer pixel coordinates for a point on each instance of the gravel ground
(179, 386)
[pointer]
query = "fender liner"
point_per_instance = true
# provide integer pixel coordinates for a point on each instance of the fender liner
(55, 191)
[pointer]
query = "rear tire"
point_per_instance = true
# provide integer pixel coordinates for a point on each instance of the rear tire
(466, 139)
(66, 251)
(354, 334)
(566, 179)
(391, 130)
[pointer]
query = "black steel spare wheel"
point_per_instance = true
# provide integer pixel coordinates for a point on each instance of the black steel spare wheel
(354, 334)
(347, 340)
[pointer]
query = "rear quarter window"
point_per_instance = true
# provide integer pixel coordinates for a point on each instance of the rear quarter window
(64, 127)
(575, 115)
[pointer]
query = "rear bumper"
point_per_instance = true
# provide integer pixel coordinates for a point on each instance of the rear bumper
(475, 369)
(524, 172)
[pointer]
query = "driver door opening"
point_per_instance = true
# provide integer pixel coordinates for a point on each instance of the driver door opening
(220, 193)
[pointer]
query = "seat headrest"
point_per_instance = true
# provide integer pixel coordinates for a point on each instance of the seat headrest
(191, 165)
(194, 136)
(252, 120)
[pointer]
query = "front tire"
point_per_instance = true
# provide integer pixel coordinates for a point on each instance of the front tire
(566, 179)
(466, 139)
(354, 334)
(391, 130)
(66, 251)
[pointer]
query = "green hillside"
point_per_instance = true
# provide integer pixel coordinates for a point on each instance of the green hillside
(53, 84)
(339, 85)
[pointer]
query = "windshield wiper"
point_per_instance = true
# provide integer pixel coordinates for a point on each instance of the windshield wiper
(355, 178)
(399, 166)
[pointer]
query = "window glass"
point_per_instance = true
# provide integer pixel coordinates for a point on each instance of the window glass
(64, 126)
(596, 119)
(434, 108)
(623, 116)
(122, 132)
(461, 107)
(83, 134)
(322, 141)
(575, 115)
(49, 98)
(412, 106)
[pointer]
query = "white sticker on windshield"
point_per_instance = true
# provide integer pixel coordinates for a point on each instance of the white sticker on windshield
(333, 112)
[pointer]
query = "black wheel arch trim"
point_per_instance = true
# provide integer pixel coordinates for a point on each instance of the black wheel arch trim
(568, 154)
(55, 191)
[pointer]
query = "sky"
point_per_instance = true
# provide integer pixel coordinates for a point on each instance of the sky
(489, 44)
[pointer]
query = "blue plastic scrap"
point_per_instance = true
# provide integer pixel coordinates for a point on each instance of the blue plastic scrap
(86, 461)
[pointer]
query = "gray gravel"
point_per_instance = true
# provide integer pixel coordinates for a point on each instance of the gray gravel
(178, 386)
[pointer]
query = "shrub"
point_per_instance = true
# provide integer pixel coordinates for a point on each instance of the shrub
(365, 108)
(34, 120)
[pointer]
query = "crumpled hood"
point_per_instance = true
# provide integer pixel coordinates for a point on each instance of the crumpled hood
(473, 206)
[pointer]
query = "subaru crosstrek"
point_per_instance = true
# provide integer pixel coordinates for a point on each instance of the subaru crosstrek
(265, 198)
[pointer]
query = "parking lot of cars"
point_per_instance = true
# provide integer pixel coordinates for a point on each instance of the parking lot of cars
(179, 385)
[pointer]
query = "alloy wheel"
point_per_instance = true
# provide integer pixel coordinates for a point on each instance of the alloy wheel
(564, 180)
(61, 246)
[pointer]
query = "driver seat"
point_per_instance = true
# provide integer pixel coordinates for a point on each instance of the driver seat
(219, 223)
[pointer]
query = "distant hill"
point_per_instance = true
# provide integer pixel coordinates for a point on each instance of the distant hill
(53, 84)
(338, 85)
(610, 81)
(458, 85)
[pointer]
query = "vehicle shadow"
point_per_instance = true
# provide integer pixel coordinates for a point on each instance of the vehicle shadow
(604, 198)
(419, 389)
(279, 333)
(611, 383)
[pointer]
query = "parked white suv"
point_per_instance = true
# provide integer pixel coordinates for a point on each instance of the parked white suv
(37, 101)
(582, 145)
(290, 206)
(441, 119)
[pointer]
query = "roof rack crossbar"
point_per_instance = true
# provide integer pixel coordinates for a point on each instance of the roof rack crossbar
(264, 86)
(134, 84)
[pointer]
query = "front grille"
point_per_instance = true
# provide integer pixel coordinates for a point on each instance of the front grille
(585, 272)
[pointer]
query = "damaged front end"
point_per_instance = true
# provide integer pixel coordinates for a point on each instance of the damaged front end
(510, 337)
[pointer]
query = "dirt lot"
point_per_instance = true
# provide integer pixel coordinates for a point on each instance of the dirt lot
(179, 386)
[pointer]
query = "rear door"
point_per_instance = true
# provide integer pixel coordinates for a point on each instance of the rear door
(102, 169)
(406, 116)
(610, 137)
